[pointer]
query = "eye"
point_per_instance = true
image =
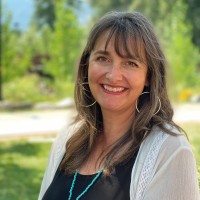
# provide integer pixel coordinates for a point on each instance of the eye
(131, 64)
(102, 59)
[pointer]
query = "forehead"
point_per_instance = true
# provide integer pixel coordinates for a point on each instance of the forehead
(103, 42)
(124, 44)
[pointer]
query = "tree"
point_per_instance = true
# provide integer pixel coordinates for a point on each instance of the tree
(44, 14)
(17, 49)
(8, 51)
(181, 52)
(28, 46)
(193, 13)
(64, 41)
(164, 8)
(156, 10)
(8, 42)
(105, 6)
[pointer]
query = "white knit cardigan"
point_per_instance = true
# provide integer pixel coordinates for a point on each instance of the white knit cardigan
(164, 169)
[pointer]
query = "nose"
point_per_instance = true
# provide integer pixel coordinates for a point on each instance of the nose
(114, 73)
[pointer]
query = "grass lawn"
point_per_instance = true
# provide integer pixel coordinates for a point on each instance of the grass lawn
(22, 165)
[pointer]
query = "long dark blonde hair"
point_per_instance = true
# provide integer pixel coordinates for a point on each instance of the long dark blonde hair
(123, 27)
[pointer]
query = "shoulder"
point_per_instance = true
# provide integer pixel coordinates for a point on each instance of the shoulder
(170, 141)
(173, 143)
(175, 165)
(176, 151)
(175, 158)
(163, 158)
(161, 150)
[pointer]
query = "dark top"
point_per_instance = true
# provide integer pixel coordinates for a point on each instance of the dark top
(114, 187)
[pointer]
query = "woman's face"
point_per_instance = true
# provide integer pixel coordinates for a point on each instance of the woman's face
(115, 82)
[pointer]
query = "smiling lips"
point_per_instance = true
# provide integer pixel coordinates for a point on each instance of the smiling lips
(114, 89)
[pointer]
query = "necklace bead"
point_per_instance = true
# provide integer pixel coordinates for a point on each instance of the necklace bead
(87, 188)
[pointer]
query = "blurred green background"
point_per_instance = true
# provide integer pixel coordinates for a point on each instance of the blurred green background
(39, 62)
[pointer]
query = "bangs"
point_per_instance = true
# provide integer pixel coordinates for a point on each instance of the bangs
(128, 42)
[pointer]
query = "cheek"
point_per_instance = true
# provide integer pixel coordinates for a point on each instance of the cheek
(92, 76)
(94, 73)
(138, 80)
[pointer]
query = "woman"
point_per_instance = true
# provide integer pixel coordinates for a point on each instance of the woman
(124, 144)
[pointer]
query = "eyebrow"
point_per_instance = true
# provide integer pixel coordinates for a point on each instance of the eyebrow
(104, 52)
(101, 52)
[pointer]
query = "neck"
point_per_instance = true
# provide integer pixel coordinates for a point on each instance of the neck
(116, 125)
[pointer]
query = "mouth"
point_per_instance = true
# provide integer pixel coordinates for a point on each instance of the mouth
(112, 89)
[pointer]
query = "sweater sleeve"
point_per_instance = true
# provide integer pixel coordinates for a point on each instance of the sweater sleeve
(175, 178)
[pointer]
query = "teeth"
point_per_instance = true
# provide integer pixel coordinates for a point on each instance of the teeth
(112, 89)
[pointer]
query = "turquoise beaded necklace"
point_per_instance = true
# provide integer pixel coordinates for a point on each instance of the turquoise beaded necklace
(86, 189)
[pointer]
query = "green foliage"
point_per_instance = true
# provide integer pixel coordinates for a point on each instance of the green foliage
(29, 44)
(8, 44)
(26, 89)
(156, 10)
(104, 6)
(193, 18)
(64, 88)
(60, 37)
(44, 14)
(31, 88)
(17, 50)
(182, 55)
(64, 42)
(61, 44)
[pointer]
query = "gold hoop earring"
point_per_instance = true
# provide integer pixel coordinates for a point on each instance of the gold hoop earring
(158, 101)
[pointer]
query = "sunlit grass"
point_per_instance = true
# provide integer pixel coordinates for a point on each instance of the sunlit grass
(21, 169)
